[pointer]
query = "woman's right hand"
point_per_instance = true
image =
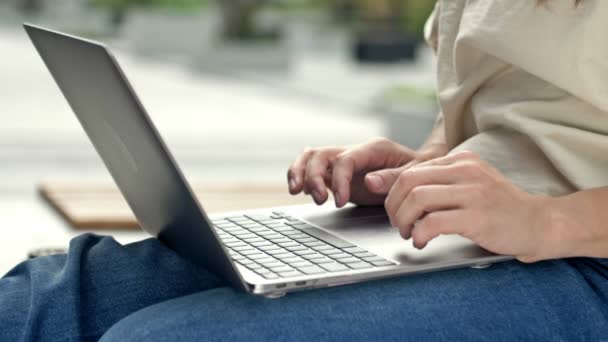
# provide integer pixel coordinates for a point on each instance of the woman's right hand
(361, 174)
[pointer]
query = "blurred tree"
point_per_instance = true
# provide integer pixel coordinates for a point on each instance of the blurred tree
(238, 17)
(390, 29)
(409, 15)
(29, 6)
(414, 15)
(120, 7)
(343, 10)
(377, 9)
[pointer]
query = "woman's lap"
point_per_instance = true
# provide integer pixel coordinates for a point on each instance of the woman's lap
(555, 300)
(162, 296)
(99, 282)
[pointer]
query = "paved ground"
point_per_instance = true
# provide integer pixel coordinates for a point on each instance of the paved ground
(220, 128)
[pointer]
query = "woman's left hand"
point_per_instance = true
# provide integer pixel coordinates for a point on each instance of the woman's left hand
(461, 194)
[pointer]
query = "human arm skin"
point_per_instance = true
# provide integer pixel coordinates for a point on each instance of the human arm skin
(578, 223)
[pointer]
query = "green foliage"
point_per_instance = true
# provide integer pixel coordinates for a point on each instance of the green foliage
(416, 12)
(126, 4)
(295, 5)
(406, 93)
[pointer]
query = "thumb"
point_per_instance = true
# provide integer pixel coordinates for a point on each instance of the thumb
(381, 181)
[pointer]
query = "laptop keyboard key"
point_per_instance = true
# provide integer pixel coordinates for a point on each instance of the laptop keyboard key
(311, 270)
(313, 256)
(288, 244)
(364, 255)
(253, 239)
(269, 248)
(275, 224)
(265, 261)
(283, 228)
(301, 264)
(340, 256)
(275, 263)
(242, 248)
(277, 251)
(334, 267)
(254, 267)
(322, 261)
(296, 248)
(307, 239)
(290, 274)
(245, 262)
(280, 269)
(353, 250)
(313, 244)
(330, 252)
(263, 243)
(292, 260)
(284, 255)
(257, 256)
(372, 258)
(360, 265)
(323, 247)
(350, 260)
(304, 252)
(237, 257)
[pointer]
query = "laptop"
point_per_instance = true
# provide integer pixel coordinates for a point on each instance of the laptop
(267, 252)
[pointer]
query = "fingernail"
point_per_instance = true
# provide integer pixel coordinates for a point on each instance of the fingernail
(337, 198)
(292, 184)
(376, 181)
(317, 195)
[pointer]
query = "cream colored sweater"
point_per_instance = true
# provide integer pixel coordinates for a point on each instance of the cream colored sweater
(514, 77)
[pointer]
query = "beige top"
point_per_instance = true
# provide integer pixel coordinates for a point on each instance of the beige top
(542, 71)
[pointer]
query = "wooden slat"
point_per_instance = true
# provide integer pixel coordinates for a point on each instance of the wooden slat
(90, 206)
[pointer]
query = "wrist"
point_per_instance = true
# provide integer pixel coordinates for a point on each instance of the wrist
(563, 233)
(431, 150)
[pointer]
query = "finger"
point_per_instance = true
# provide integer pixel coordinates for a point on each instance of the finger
(426, 199)
(379, 153)
(295, 174)
(414, 177)
(314, 178)
(381, 181)
(440, 223)
(450, 159)
(327, 177)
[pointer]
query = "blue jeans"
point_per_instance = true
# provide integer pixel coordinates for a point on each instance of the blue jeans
(144, 291)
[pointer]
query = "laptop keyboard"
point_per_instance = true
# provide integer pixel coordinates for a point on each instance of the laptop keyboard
(279, 246)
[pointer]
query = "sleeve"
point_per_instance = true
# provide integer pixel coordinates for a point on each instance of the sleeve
(563, 44)
(431, 27)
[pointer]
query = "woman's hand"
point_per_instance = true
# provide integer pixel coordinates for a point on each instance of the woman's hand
(461, 194)
(361, 174)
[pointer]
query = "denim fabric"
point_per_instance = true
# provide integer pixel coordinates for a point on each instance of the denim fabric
(143, 291)
(79, 296)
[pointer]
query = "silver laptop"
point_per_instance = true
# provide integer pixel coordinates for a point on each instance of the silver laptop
(268, 251)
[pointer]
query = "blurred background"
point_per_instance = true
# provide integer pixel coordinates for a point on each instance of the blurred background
(236, 87)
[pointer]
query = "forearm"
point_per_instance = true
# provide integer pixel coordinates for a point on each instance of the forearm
(578, 224)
